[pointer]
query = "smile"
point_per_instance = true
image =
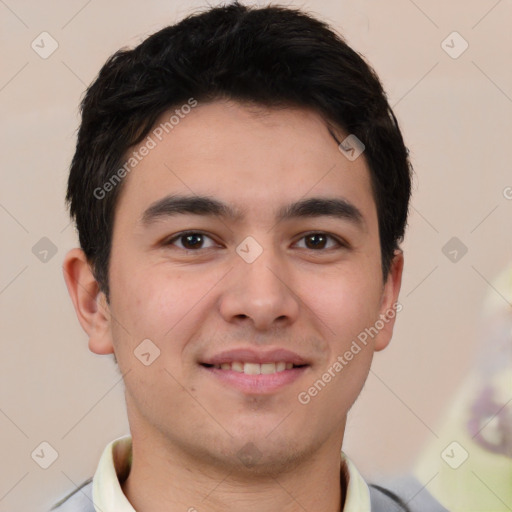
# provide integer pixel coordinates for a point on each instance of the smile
(255, 368)
(254, 378)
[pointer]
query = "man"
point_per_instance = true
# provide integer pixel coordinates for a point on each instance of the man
(240, 188)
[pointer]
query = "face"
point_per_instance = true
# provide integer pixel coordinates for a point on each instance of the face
(246, 250)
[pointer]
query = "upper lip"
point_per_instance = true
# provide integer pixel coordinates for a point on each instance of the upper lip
(248, 355)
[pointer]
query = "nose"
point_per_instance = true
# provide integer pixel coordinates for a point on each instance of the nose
(261, 293)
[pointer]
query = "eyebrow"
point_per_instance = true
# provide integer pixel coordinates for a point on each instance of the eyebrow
(172, 205)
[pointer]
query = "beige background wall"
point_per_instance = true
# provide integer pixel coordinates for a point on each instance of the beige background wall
(456, 115)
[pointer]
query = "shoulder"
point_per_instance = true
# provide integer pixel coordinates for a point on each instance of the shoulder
(80, 500)
(404, 494)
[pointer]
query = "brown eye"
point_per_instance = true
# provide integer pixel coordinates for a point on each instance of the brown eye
(318, 241)
(193, 241)
(190, 241)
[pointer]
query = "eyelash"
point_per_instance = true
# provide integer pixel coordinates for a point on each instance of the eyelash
(341, 243)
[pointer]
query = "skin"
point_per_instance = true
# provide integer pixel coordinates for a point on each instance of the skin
(187, 426)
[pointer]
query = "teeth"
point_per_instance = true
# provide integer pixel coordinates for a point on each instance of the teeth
(237, 367)
(268, 368)
(252, 368)
(255, 368)
(280, 366)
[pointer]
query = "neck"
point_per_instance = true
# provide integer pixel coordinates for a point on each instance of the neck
(163, 477)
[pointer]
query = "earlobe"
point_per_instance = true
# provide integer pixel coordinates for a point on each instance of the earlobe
(90, 304)
(390, 306)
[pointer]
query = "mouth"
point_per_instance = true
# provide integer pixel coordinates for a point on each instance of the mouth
(256, 372)
(255, 368)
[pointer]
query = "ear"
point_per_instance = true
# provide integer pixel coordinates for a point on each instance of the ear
(90, 303)
(389, 305)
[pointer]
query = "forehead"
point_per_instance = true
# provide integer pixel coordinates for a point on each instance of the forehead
(247, 156)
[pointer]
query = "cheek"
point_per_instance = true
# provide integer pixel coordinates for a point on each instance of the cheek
(346, 301)
(161, 305)
(346, 307)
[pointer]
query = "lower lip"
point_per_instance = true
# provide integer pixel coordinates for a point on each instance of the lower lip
(257, 384)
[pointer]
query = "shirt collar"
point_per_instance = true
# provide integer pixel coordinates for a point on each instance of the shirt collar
(357, 498)
(107, 494)
(115, 464)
